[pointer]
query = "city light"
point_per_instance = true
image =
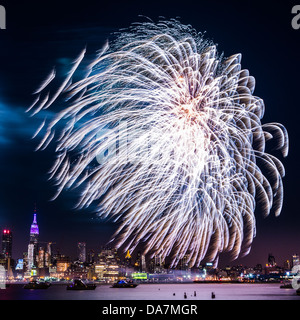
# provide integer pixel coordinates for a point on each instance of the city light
(109, 265)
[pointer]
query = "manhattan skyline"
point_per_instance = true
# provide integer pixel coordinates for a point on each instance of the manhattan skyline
(70, 248)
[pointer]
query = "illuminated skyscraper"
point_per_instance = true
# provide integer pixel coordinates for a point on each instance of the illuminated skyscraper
(33, 243)
(7, 243)
(34, 229)
(41, 257)
(48, 255)
(31, 256)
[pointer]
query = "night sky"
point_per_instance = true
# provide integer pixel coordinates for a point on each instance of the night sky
(44, 34)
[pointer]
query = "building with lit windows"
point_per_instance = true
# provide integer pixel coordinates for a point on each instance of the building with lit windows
(7, 243)
(62, 264)
(81, 247)
(33, 244)
(140, 262)
(296, 260)
(156, 264)
(107, 267)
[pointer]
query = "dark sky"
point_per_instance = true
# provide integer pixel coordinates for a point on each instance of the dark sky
(44, 34)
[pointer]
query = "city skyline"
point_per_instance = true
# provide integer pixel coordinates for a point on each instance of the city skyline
(107, 265)
(33, 44)
(81, 249)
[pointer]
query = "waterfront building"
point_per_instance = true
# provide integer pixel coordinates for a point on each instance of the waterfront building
(62, 263)
(156, 265)
(100, 267)
(140, 262)
(76, 270)
(52, 271)
(7, 243)
(107, 267)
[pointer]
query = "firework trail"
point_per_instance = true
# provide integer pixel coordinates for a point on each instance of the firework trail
(185, 130)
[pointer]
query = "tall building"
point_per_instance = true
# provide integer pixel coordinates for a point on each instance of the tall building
(81, 247)
(91, 256)
(127, 260)
(140, 262)
(34, 229)
(183, 263)
(33, 243)
(296, 260)
(287, 265)
(62, 263)
(107, 267)
(7, 243)
(48, 255)
(271, 260)
(156, 264)
(41, 258)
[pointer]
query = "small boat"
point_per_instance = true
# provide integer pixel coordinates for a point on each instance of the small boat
(80, 285)
(37, 285)
(124, 284)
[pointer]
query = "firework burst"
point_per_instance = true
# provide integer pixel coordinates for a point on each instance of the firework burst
(188, 145)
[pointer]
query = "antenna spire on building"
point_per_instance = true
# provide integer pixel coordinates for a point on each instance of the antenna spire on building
(128, 256)
(34, 229)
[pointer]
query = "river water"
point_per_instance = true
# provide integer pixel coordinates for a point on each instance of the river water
(188, 292)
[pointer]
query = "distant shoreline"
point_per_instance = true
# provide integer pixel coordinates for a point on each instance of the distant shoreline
(19, 283)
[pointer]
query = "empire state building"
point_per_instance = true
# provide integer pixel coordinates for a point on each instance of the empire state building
(33, 243)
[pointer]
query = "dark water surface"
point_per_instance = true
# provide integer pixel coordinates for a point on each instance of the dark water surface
(156, 292)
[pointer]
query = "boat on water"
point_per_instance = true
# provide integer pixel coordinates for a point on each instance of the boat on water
(37, 285)
(80, 285)
(124, 284)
